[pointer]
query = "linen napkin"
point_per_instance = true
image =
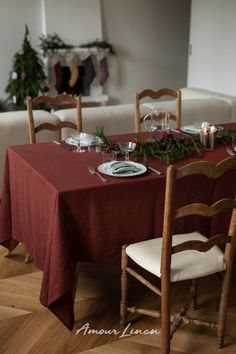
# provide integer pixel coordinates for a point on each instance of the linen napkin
(121, 167)
(191, 129)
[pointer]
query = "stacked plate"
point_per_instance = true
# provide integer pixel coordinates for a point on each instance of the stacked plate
(195, 129)
(86, 140)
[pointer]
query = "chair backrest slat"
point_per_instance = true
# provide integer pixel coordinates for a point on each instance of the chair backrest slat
(205, 168)
(63, 101)
(201, 246)
(157, 95)
(205, 210)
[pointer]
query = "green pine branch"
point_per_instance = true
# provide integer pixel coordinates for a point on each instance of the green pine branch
(53, 42)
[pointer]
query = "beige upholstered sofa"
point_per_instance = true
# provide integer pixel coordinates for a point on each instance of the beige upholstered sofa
(200, 105)
(197, 105)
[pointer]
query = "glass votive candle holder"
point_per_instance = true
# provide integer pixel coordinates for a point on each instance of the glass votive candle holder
(109, 155)
(212, 137)
(95, 145)
(204, 137)
(112, 155)
(220, 131)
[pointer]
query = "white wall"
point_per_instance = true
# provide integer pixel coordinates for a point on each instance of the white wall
(76, 21)
(212, 64)
(150, 37)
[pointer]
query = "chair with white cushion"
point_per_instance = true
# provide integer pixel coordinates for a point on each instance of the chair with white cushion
(174, 258)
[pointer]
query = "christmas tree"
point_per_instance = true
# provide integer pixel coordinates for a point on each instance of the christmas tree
(27, 77)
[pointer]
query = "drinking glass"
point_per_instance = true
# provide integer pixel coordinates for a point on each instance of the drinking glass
(109, 155)
(95, 145)
(127, 147)
(78, 137)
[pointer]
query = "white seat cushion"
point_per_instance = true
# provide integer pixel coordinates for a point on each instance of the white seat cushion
(184, 265)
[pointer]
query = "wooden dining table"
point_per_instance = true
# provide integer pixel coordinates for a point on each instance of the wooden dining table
(63, 214)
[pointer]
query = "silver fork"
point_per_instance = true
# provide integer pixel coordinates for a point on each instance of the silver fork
(94, 172)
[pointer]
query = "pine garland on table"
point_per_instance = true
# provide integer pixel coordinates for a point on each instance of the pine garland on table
(168, 148)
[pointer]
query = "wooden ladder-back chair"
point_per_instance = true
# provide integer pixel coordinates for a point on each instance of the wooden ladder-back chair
(157, 95)
(61, 100)
(165, 259)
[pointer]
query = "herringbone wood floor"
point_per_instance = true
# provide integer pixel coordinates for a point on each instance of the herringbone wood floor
(27, 327)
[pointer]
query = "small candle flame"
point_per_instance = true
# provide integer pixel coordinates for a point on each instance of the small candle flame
(213, 129)
(205, 125)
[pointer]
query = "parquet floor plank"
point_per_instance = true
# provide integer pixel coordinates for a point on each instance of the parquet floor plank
(26, 327)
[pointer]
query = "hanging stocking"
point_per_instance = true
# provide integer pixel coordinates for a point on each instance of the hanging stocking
(74, 71)
(58, 72)
(90, 72)
(104, 73)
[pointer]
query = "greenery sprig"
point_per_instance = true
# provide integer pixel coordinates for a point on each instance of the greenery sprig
(168, 148)
(100, 45)
(226, 136)
(53, 42)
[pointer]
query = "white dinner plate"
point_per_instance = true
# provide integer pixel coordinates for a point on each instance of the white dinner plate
(106, 169)
(191, 129)
(86, 141)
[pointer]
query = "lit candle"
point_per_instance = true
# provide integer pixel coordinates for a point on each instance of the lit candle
(204, 134)
(212, 136)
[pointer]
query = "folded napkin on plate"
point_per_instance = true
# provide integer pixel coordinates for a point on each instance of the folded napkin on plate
(123, 167)
(191, 128)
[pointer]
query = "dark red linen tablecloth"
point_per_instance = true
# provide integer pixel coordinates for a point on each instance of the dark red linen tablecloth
(62, 214)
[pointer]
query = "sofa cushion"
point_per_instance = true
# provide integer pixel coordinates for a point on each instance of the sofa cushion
(212, 110)
(195, 93)
(117, 119)
(15, 127)
(192, 93)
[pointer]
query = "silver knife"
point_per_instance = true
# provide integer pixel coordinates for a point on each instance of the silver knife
(154, 170)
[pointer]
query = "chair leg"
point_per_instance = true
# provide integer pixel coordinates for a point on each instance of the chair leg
(27, 258)
(76, 278)
(124, 288)
(224, 300)
(193, 292)
(165, 319)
